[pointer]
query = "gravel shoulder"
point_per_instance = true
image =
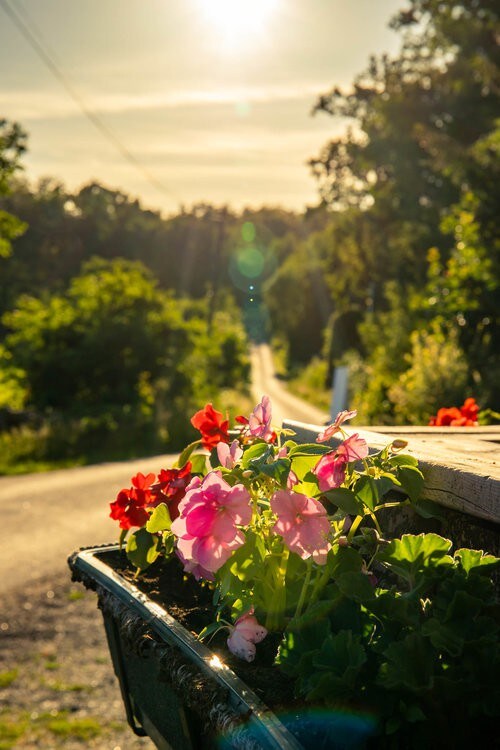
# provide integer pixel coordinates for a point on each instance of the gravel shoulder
(57, 685)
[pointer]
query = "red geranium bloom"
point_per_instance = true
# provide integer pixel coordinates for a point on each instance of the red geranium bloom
(212, 425)
(470, 410)
(171, 487)
(129, 506)
(446, 417)
(466, 416)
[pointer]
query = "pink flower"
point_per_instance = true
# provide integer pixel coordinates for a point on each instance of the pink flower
(207, 527)
(331, 467)
(330, 431)
(247, 631)
(259, 423)
(194, 568)
(292, 479)
(229, 455)
(303, 524)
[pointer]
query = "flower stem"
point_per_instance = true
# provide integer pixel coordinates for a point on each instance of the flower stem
(303, 591)
(354, 527)
(277, 604)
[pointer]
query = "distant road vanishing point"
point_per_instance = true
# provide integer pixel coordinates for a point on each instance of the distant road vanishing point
(285, 404)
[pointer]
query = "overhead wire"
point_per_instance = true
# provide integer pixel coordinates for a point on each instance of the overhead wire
(26, 28)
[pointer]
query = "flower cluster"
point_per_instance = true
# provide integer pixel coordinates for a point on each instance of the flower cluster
(465, 416)
(260, 518)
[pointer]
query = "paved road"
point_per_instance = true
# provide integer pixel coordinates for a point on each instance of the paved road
(285, 405)
(44, 517)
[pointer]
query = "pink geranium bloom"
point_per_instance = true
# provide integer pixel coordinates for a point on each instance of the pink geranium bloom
(292, 479)
(247, 631)
(331, 467)
(229, 455)
(330, 431)
(259, 423)
(303, 524)
(196, 570)
(207, 527)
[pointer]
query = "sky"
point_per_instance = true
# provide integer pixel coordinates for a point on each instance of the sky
(195, 100)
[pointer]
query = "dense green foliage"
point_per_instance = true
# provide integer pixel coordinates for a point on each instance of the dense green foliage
(420, 651)
(411, 257)
(395, 273)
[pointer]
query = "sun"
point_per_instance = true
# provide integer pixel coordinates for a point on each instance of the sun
(238, 22)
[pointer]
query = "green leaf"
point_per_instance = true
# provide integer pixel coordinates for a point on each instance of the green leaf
(314, 616)
(428, 509)
(412, 480)
(123, 536)
(159, 520)
(344, 560)
(199, 463)
(409, 665)
(186, 453)
(302, 465)
(247, 562)
(277, 470)
(356, 585)
(338, 664)
(346, 500)
(366, 490)
(142, 549)
(473, 559)
(411, 554)
(256, 452)
(443, 637)
(209, 630)
(309, 449)
(403, 460)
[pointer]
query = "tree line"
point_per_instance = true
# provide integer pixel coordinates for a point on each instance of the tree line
(110, 310)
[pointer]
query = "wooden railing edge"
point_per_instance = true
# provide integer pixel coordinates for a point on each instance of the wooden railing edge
(462, 483)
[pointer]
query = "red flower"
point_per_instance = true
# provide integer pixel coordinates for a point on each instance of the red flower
(466, 416)
(129, 506)
(171, 487)
(212, 425)
(470, 410)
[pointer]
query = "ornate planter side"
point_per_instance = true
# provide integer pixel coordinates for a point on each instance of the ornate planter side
(174, 689)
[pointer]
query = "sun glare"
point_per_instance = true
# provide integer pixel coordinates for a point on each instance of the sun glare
(238, 22)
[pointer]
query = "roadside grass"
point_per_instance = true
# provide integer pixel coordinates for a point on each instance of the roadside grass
(8, 677)
(11, 730)
(309, 383)
(59, 724)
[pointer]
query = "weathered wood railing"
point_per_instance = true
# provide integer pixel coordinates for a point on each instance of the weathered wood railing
(461, 467)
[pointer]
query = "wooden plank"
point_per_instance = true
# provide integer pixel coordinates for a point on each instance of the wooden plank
(461, 471)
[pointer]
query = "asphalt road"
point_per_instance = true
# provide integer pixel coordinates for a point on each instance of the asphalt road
(285, 405)
(44, 517)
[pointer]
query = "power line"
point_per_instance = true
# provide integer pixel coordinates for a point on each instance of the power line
(23, 25)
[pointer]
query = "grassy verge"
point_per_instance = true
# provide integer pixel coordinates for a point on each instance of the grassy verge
(308, 383)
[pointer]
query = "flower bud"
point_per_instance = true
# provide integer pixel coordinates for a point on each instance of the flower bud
(398, 444)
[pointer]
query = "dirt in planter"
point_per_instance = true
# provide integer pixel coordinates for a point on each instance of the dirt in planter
(191, 604)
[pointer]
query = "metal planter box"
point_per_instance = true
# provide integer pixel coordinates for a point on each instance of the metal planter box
(174, 688)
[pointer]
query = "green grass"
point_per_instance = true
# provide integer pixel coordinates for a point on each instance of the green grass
(7, 678)
(75, 596)
(11, 731)
(309, 383)
(83, 729)
(68, 687)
